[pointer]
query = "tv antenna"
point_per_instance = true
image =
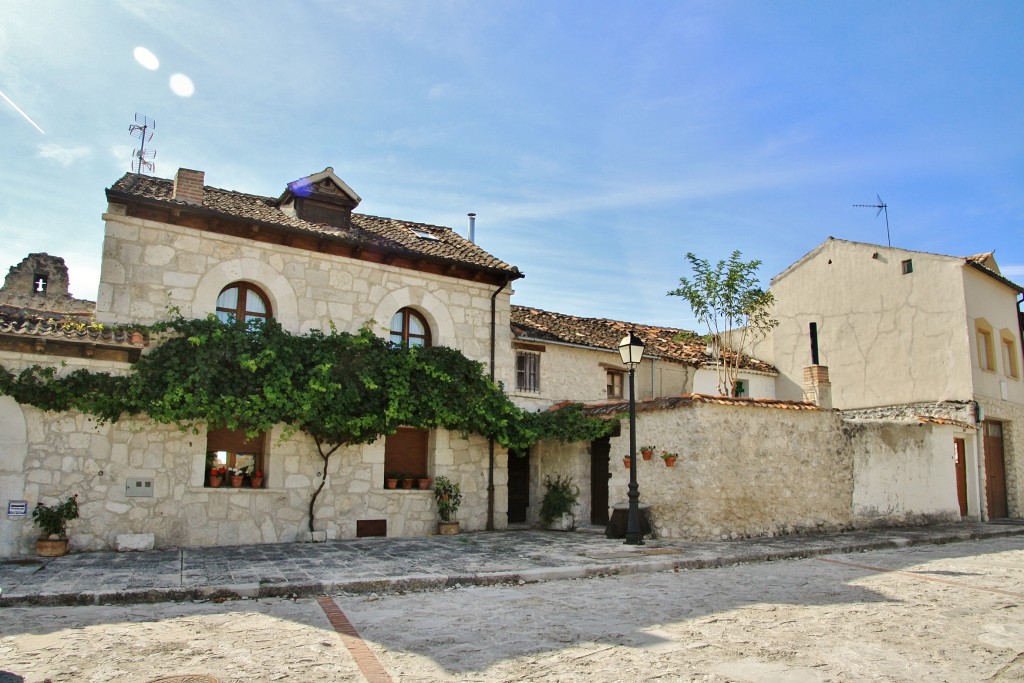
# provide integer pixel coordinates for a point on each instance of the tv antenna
(881, 206)
(142, 158)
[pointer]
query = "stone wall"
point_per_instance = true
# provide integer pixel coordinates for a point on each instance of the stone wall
(40, 283)
(50, 456)
(750, 470)
(904, 473)
(742, 471)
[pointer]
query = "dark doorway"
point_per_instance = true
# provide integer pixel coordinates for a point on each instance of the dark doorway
(600, 451)
(518, 486)
(995, 470)
(961, 475)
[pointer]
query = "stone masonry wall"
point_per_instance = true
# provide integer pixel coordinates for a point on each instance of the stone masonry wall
(50, 456)
(742, 471)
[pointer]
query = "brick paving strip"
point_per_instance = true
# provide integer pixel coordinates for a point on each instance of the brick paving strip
(933, 579)
(368, 663)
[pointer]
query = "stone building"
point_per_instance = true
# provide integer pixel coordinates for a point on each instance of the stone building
(306, 259)
(908, 336)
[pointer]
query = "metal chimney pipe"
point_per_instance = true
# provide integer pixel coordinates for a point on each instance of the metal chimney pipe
(472, 227)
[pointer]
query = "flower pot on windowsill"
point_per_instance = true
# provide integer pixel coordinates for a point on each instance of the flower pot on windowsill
(256, 482)
(236, 481)
(215, 482)
(424, 483)
(407, 483)
(391, 482)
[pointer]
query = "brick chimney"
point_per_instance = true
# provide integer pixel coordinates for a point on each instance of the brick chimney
(188, 186)
(817, 387)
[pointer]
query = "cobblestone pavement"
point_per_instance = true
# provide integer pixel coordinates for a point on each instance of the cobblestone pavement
(951, 612)
(406, 564)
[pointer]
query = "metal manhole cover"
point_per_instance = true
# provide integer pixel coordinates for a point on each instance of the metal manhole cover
(187, 678)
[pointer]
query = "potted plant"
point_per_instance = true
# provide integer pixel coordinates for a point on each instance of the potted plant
(556, 510)
(625, 460)
(256, 479)
(391, 481)
(449, 497)
(217, 475)
(237, 474)
(647, 452)
(669, 458)
(53, 520)
(406, 481)
(424, 482)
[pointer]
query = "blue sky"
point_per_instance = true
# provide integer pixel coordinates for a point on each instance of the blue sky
(597, 142)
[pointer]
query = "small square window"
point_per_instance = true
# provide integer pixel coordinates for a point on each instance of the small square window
(908, 267)
(527, 371)
(614, 383)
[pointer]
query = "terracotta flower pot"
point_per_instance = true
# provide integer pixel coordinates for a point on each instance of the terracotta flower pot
(625, 461)
(236, 481)
(670, 462)
(424, 483)
(407, 483)
(256, 482)
(215, 482)
(51, 547)
(647, 454)
(391, 483)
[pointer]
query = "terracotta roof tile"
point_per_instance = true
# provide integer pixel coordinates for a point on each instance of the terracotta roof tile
(612, 409)
(438, 242)
(680, 346)
(24, 323)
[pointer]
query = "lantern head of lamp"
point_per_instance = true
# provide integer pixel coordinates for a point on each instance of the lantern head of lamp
(631, 348)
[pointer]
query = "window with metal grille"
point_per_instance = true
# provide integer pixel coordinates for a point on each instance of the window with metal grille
(527, 371)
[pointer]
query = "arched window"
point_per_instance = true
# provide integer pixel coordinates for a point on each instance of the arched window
(409, 329)
(241, 301)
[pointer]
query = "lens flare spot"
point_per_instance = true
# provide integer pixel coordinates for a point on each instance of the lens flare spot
(182, 86)
(146, 58)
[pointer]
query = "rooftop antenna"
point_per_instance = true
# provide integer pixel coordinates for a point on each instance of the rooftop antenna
(881, 206)
(142, 159)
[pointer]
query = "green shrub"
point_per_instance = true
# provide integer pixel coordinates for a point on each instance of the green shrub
(561, 497)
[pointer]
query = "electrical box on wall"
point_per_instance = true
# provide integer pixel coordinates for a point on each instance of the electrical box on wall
(139, 488)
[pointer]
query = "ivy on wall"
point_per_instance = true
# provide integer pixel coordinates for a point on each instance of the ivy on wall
(339, 388)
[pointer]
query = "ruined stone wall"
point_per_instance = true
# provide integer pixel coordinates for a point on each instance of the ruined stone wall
(40, 283)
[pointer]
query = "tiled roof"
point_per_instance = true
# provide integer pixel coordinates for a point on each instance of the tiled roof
(439, 243)
(667, 343)
(612, 409)
(26, 324)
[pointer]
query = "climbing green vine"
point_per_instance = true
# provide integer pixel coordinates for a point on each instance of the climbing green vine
(339, 388)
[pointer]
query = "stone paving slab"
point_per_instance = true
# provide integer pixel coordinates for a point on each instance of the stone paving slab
(413, 564)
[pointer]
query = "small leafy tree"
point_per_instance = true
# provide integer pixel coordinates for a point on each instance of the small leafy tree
(736, 311)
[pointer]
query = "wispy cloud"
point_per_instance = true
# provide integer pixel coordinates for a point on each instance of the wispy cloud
(1014, 270)
(65, 156)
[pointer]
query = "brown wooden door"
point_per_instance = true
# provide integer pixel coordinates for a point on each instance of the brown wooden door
(518, 486)
(995, 470)
(961, 474)
(600, 451)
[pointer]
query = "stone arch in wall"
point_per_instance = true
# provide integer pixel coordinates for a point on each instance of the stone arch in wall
(283, 301)
(14, 436)
(442, 327)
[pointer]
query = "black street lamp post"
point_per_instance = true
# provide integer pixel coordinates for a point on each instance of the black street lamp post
(631, 348)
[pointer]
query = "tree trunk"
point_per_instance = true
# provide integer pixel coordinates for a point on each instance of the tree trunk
(323, 480)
